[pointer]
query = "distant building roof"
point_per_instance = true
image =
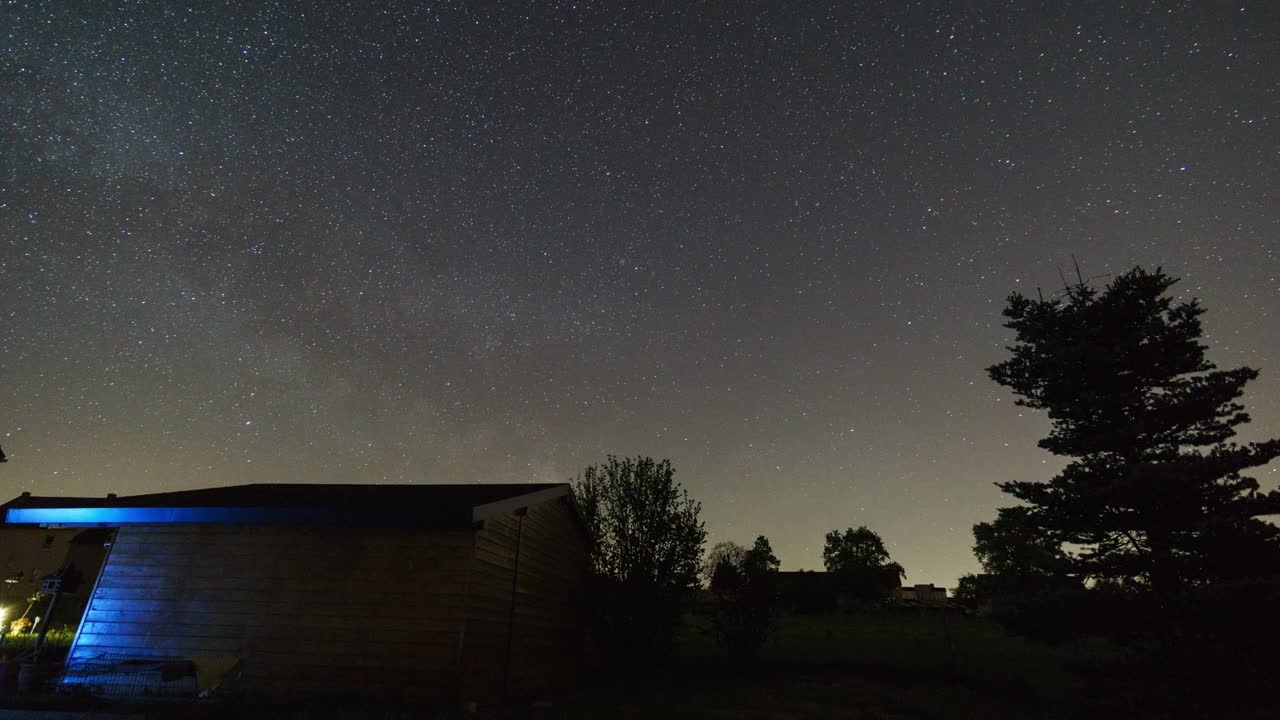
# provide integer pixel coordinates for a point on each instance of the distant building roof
(26, 499)
(282, 503)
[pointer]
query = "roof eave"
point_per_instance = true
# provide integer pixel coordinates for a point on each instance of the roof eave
(482, 512)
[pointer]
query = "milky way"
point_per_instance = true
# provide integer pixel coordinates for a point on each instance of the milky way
(472, 243)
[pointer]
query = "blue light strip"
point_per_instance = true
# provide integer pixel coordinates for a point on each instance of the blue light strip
(114, 516)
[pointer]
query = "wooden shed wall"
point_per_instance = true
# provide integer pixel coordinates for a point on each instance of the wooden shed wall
(545, 623)
(309, 610)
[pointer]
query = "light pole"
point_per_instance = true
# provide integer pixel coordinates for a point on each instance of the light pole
(4, 611)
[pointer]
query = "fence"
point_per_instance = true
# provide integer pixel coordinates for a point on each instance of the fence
(122, 676)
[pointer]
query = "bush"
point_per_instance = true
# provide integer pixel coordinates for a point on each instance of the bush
(56, 642)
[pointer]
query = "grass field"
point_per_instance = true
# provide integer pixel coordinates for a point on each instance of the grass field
(855, 667)
(878, 666)
(850, 666)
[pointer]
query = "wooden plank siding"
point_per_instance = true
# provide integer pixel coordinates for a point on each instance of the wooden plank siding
(531, 644)
(373, 612)
(550, 614)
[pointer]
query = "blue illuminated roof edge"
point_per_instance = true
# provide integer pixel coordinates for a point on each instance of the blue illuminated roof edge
(363, 515)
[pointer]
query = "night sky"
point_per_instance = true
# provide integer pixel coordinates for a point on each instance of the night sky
(474, 243)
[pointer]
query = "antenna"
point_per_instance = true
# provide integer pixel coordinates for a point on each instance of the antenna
(1066, 286)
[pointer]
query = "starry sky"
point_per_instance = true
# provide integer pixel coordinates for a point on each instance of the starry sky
(474, 242)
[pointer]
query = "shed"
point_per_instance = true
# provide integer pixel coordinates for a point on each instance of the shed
(449, 592)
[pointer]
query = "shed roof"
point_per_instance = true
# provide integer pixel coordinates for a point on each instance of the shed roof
(282, 503)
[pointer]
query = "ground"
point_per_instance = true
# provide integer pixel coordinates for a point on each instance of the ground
(916, 666)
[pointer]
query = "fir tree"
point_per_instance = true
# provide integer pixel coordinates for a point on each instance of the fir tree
(1155, 499)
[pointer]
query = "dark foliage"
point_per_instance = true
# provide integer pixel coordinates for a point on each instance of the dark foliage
(1153, 513)
(746, 600)
(806, 593)
(646, 542)
(722, 552)
(860, 566)
(1028, 583)
(761, 554)
(973, 592)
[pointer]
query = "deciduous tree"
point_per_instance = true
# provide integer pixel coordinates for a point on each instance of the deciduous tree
(746, 600)
(646, 541)
(860, 565)
(722, 552)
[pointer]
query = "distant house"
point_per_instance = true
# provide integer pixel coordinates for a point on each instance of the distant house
(463, 592)
(29, 555)
(921, 595)
(807, 592)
